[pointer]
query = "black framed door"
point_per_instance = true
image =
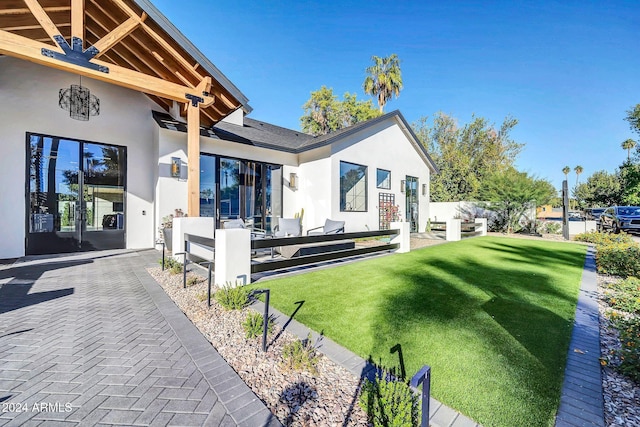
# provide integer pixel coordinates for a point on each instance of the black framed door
(75, 195)
(411, 205)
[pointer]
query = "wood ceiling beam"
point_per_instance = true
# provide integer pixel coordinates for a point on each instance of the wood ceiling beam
(42, 17)
(24, 11)
(120, 32)
(77, 19)
(31, 27)
(31, 50)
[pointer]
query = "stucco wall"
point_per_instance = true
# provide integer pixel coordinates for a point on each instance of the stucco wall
(382, 146)
(29, 94)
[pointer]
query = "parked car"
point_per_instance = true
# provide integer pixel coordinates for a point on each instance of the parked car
(618, 218)
(594, 213)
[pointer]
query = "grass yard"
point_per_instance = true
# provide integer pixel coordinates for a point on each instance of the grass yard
(491, 315)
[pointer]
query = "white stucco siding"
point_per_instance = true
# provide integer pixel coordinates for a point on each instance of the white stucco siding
(381, 146)
(172, 192)
(29, 94)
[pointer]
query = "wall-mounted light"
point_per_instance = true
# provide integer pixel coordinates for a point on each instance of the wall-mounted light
(403, 184)
(175, 167)
(424, 189)
(293, 181)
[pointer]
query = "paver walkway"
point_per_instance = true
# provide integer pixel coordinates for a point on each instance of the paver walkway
(91, 339)
(581, 402)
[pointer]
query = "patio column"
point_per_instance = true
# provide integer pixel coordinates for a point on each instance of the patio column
(193, 160)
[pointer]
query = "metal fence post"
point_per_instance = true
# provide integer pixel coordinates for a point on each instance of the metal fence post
(423, 377)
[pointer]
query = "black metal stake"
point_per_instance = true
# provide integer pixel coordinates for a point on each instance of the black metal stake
(209, 264)
(162, 256)
(423, 377)
(184, 268)
(265, 316)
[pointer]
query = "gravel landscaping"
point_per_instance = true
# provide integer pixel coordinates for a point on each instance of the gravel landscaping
(327, 398)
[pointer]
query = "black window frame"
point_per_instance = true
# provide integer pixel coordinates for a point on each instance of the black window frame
(343, 202)
(389, 178)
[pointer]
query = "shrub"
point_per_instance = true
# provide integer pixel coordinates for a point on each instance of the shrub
(552, 227)
(253, 324)
(300, 355)
(192, 280)
(389, 403)
(619, 259)
(232, 297)
(629, 351)
(600, 238)
(625, 295)
(170, 263)
(202, 296)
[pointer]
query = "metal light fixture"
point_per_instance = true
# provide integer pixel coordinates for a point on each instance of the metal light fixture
(293, 181)
(79, 102)
(175, 167)
(424, 189)
(403, 184)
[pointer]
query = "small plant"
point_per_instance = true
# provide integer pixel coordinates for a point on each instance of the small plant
(232, 297)
(192, 280)
(253, 324)
(174, 267)
(625, 295)
(300, 355)
(629, 351)
(389, 403)
(619, 259)
(202, 296)
(551, 227)
(600, 238)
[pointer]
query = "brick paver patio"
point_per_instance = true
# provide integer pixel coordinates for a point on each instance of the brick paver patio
(91, 339)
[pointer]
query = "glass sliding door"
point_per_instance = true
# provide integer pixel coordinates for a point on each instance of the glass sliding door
(233, 188)
(75, 195)
(411, 206)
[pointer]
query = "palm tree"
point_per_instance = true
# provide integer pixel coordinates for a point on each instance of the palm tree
(565, 171)
(384, 79)
(578, 169)
(628, 145)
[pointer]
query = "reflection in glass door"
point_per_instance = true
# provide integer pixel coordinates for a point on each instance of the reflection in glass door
(411, 206)
(74, 204)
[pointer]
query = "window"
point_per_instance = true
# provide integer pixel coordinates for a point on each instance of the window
(383, 179)
(353, 187)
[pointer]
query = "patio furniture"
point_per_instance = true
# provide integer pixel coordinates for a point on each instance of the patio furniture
(329, 227)
(288, 227)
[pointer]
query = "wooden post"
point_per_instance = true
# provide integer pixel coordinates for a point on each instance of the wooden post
(193, 160)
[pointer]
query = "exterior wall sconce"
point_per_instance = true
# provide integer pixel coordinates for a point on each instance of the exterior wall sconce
(403, 185)
(424, 189)
(293, 181)
(175, 167)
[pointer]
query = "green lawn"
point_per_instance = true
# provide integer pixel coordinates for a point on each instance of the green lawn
(491, 315)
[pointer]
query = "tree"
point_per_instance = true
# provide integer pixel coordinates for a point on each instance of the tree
(565, 171)
(633, 117)
(578, 169)
(629, 175)
(465, 156)
(384, 79)
(600, 189)
(512, 193)
(324, 112)
(628, 145)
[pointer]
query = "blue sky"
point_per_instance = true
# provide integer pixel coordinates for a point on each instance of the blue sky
(567, 70)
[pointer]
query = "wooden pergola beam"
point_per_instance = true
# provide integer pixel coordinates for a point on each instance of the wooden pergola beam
(193, 160)
(24, 11)
(30, 50)
(123, 30)
(77, 19)
(39, 13)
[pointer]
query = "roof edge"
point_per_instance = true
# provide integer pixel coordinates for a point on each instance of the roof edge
(187, 45)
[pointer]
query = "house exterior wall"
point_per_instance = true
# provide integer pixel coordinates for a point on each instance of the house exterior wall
(382, 146)
(171, 193)
(29, 94)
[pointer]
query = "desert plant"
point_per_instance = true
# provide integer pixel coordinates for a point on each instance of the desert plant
(192, 280)
(629, 351)
(300, 355)
(388, 402)
(551, 227)
(253, 325)
(202, 296)
(171, 264)
(624, 295)
(232, 297)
